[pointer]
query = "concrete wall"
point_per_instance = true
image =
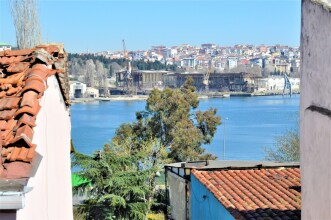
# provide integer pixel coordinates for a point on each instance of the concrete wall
(315, 110)
(204, 205)
(51, 196)
(176, 186)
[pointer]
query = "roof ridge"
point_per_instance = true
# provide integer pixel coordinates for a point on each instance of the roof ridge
(23, 76)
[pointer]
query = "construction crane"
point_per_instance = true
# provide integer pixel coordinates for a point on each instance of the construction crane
(128, 71)
(287, 85)
(206, 77)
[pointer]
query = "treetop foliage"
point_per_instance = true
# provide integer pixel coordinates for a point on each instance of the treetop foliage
(119, 186)
(287, 148)
(169, 119)
(123, 173)
(137, 64)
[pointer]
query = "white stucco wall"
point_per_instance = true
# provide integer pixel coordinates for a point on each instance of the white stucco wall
(76, 86)
(91, 92)
(275, 83)
(315, 106)
(51, 197)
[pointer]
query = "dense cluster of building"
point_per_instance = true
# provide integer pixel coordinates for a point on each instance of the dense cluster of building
(266, 59)
(240, 68)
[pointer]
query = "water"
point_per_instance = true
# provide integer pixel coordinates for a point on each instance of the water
(251, 123)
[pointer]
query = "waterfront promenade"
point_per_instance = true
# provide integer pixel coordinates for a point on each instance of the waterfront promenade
(202, 95)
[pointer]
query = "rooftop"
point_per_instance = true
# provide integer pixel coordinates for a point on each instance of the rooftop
(23, 75)
(252, 192)
(231, 164)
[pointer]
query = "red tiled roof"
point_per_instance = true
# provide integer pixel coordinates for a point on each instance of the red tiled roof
(254, 193)
(23, 75)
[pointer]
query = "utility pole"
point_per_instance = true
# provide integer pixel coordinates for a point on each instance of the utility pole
(224, 137)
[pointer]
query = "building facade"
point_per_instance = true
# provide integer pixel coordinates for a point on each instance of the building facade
(77, 89)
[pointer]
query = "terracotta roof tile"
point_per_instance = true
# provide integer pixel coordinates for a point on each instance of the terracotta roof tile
(7, 114)
(9, 103)
(256, 194)
(11, 53)
(26, 119)
(35, 85)
(29, 99)
(23, 154)
(15, 170)
(3, 124)
(13, 91)
(23, 75)
(27, 109)
(17, 67)
(10, 124)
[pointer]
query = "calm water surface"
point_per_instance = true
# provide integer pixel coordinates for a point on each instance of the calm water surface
(250, 123)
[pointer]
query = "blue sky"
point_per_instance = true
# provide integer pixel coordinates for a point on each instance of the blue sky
(101, 25)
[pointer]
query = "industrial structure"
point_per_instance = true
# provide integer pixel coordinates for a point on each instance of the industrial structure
(234, 82)
(144, 81)
(124, 78)
(141, 80)
(287, 85)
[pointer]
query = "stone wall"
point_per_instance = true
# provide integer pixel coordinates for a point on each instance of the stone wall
(315, 109)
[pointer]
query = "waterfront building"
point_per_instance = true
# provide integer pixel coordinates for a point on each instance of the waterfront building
(91, 92)
(147, 79)
(77, 89)
(275, 83)
(236, 82)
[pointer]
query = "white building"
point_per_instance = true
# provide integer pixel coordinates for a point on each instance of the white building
(91, 93)
(77, 89)
(188, 62)
(173, 52)
(276, 83)
(295, 83)
(4, 46)
(232, 62)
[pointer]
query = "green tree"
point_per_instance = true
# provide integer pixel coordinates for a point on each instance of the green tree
(286, 149)
(123, 174)
(169, 119)
(121, 181)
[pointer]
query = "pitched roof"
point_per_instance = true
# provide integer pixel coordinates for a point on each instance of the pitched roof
(256, 193)
(23, 75)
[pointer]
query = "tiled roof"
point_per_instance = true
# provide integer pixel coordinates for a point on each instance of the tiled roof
(23, 75)
(256, 193)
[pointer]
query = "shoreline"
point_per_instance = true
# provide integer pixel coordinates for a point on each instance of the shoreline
(201, 96)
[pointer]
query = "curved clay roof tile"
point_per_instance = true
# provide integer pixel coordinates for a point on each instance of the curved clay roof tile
(23, 75)
(35, 85)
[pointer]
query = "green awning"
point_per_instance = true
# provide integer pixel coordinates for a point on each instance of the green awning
(77, 180)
